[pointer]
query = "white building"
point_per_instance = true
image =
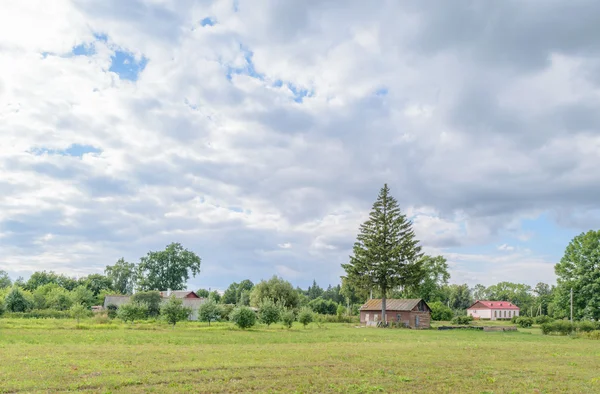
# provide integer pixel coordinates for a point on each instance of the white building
(493, 310)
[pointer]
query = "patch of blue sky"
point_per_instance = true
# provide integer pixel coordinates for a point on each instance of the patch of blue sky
(248, 69)
(299, 94)
(381, 92)
(126, 66)
(208, 21)
(75, 150)
(236, 209)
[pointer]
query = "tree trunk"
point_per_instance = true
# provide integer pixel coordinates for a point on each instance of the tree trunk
(383, 314)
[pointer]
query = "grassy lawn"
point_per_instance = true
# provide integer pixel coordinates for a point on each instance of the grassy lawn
(53, 356)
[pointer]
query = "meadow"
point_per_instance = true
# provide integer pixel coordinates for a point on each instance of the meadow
(54, 355)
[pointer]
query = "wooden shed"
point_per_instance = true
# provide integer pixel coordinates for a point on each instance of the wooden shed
(414, 313)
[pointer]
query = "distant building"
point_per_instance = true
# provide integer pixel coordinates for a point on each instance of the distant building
(493, 310)
(189, 298)
(414, 313)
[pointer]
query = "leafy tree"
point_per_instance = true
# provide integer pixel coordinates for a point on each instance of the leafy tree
(214, 295)
(314, 291)
(17, 301)
(203, 293)
(435, 277)
(132, 311)
(121, 276)
(167, 269)
(4, 280)
(458, 296)
(386, 253)
(40, 278)
(333, 293)
(67, 283)
(151, 299)
(268, 313)
(341, 311)
(276, 289)
(579, 269)
(83, 295)
(78, 311)
(517, 293)
(20, 282)
(230, 295)
(324, 307)
(209, 311)
(96, 283)
(59, 299)
(243, 317)
(544, 294)
(40, 295)
(245, 298)
(2, 307)
(245, 287)
(440, 312)
(173, 311)
(479, 292)
(305, 317)
(288, 318)
(352, 294)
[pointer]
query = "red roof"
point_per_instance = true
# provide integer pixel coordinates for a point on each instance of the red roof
(494, 305)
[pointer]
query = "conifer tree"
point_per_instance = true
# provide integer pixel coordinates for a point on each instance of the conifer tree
(386, 253)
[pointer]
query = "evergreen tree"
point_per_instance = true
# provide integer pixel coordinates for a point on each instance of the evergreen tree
(386, 254)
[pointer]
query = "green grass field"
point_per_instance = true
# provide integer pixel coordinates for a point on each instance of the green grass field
(51, 356)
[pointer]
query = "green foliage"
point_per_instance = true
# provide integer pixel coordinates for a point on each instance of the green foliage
(324, 307)
(268, 312)
(96, 283)
(203, 293)
(226, 310)
(83, 295)
(462, 320)
(233, 294)
(41, 278)
(111, 310)
(18, 301)
(586, 326)
(562, 327)
(209, 311)
(306, 316)
(440, 312)
(524, 321)
(215, 296)
(167, 269)
(434, 277)
(132, 311)
(543, 319)
(513, 319)
(314, 291)
(40, 295)
(79, 311)
(336, 318)
(121, 276)
(39, 314)
(151, 299)
(386, 254)
(288, 318)
(173, 311)
(2, 307)
(4, 280)
(276, 289)
(341, 311)
(578, 270)
(243, 317)
(59, 299)
(459, 296)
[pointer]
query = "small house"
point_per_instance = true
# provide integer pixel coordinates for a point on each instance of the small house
(413, 313)
(493, 310)
(189, 299)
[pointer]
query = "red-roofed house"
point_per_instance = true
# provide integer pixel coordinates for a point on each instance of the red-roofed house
(493, 310)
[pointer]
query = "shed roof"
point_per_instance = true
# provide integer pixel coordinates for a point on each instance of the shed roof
(495, 305)
(179, 293)
(391, 304)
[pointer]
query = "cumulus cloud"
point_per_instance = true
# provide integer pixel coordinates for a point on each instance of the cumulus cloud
(124, 127)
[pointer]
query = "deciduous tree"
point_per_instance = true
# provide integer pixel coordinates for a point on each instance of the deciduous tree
(122, 276)
(167, 269)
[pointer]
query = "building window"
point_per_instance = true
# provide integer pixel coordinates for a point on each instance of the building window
(495, 313)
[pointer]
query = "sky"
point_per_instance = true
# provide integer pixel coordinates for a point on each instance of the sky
(258, 133)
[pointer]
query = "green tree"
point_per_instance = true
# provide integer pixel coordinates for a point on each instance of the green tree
(322, 306)
(173, 311)
(82, 295)
(458, 296)
(121, 276)
(314, 291)
(245, 287)
(269, 312)
(230, 295)
(151, 299)
(40, 295)
(40, 278)
(203, 293)
(4, 280)
(214, 295)
(79, 311)
(435, 277)
(243, 317)
(517, 293)
(96, 283)
(245, 298)
(288, 318)
(276, 289)
(132, 311)
(59, 299)
(440, 312)
(306, 316)
(167, 269)
(544, 295)
(386, 254)
(579, 270)
(479, 292)
(209, 311)
(17, 301)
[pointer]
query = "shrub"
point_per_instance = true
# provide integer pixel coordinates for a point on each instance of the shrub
(111, 311)
(17, 301)
(59, 299)
(336, 318)
(209, 311)
(585, 326)
(288, 318)
(226, 310)
(82, 295)
(525, 322)
(173, 311)
(543, 319)
(132, 311)
(243, 317)
(462, 320)
(562, 327)
(79, 311)
(268, 312)
(440, 312)
(305, 316)
(341, 312)
(39, 314)
(513, 319)
(101, 318)
(152, 299)
(2, 309)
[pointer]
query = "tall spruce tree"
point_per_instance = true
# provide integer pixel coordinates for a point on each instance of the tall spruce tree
(386, 252)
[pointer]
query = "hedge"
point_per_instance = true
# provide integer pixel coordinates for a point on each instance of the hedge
(38, 314)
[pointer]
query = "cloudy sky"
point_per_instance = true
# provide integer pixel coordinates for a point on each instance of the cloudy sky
(257, 133)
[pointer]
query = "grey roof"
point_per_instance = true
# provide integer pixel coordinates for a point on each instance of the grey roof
(392, 304)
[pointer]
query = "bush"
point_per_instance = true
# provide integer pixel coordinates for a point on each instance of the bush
(305, 316)
(563, 327)
(209, 311)
(585, 326)
(243, 317)
(132, 311)
(39, 314)
(59, 299)
(17, 301)
(462, 320)
(323, 306)
(268, 312)
(336, 318)
(82, 295)
(341, 312)
(173, 311)
(513, 319)
(440, 312)
(543, 319)
(525, 322)
(79, 311)
(152, 299)
(111, 311)
(226, 310)
(2, 309)
(288, 318)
